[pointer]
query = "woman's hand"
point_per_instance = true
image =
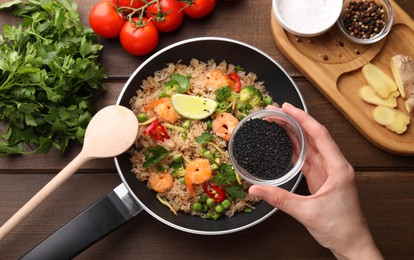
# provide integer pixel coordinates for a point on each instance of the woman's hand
(332, 213)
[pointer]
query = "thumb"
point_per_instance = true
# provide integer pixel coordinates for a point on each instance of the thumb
(278, 198)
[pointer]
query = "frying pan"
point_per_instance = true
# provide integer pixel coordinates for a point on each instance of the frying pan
(133, 196)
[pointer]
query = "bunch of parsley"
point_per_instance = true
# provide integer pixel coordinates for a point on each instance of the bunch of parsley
(50, 77)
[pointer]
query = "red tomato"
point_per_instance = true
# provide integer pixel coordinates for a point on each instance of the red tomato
(129, 3)
(166, 14)
(105, 20)
(198, 8)
(139, 39)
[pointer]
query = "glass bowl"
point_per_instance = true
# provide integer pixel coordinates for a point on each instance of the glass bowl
(305, 18)
(351, 31)
(278, 150)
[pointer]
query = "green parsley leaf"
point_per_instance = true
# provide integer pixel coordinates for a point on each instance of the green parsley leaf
(50, 77)
(154, 155)
(183, 83)
(236, 192)
(225, 175)
(204, 138)
(177, 84)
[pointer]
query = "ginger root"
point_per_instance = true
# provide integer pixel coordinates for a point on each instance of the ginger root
(393, 119)
(402, 68)
(379, 80)
(369, 95)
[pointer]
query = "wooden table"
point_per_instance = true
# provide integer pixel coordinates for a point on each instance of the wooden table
(385, 181)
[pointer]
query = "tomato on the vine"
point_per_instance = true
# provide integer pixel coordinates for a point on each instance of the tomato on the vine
(129, 3)
(198, 8)
(139, 38)
(105, 20)
(166, 14)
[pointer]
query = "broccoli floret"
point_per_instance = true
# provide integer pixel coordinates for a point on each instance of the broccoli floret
(223, 94)
(250, 95)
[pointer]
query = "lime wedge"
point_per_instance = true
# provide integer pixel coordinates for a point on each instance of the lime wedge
(193, 107)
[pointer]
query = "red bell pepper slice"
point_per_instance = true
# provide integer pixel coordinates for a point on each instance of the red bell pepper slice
(215, 192)
(237, 82)
(156, 131)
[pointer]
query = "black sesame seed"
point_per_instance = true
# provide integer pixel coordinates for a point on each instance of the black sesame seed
(263, 148)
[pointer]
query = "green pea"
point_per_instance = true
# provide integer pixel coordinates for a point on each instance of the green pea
(216, 216)
(197, 207)
(214, 166)
(177, 158)
(202, 198)
(184, 135)
(210, 202)
(210, 214)
(240, 117)
(247, 210)
(209, 124)
(208, 154)
(181, 180)
(186, 124)
(219, 209)
(268, 100)
(203, 152)
(226, 203)
(142, 117)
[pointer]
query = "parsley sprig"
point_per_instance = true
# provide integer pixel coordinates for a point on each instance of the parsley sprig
(49, 77)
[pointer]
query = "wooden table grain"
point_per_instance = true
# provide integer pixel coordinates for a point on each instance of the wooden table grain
(385, 181)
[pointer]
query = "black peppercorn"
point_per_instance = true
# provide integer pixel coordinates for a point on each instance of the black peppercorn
(364, 19)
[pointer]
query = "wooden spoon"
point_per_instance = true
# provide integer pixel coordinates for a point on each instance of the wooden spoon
(109, 133)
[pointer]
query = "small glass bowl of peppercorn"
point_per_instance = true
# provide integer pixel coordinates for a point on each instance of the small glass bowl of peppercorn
(267, 147)
(366, 21)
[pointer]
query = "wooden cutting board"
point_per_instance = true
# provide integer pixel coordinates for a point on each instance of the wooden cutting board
(339, 77)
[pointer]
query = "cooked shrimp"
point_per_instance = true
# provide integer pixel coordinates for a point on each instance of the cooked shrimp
(224, 124)
(161, 181)
(166, 112)
(217, 78)
(197, 172)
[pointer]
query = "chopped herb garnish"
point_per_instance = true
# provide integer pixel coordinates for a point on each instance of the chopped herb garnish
(204, 138)
(236, 192)
(177, 84)
(225, 175)
(154, 155)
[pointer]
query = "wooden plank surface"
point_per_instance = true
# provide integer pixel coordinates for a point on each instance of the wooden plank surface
(385, 181)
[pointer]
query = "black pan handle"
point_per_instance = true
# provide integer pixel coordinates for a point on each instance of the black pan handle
(100, 219)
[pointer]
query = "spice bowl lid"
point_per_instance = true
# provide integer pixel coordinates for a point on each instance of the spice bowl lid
(352, 21)
(267, 147)
(307, 18)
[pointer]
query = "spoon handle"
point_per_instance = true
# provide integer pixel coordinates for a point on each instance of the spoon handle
(37, 199)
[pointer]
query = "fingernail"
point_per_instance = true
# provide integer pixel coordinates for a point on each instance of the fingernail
(254, 191)
(287, 104)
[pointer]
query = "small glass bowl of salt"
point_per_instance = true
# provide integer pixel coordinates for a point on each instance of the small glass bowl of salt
(307, 18)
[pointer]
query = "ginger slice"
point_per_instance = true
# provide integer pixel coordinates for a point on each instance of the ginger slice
(379, 80)
(369, 95)
(393, 119)
(402, 68)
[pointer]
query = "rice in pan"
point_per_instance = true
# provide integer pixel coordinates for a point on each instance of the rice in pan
(185, 160)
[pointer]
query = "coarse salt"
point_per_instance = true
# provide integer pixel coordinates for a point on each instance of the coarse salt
(309, 16)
